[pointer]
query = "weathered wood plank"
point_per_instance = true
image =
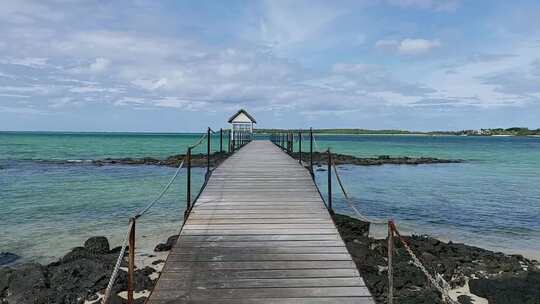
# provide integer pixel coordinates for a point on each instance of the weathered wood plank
(207, 282)
(327, 300)
(250, 249)
(239, 293)
(208, 266)
(264, 244)
(215, 257)
(227, 274)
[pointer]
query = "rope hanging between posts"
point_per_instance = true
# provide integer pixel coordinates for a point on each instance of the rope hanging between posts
(117, 264)
(349, 200)
(137, 215)
(143, 211)
(439, 282)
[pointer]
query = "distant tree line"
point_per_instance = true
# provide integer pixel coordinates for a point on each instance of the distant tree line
(514, 131)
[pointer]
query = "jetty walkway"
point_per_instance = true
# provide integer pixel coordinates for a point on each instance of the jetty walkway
(260, 233)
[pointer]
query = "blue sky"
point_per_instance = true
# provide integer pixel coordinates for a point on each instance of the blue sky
(182, 65)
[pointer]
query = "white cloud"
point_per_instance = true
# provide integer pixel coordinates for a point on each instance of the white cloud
(32, 62)
(417, 46)
(100, 65)
(437, 5)
(287, 25)
(408, 46)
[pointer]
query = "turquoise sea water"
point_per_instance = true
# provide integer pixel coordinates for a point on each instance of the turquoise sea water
(47, 207)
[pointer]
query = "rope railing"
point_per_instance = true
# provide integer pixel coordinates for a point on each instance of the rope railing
(129, 238)
(285, 141)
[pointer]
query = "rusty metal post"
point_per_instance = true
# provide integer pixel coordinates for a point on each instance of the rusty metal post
(300, 146)
(188, 182)
(390, 269)
(131, 262)
(229, 145)
(291, 141)
(207, 153)
(330, 181)
(221, 140)
(311, 153)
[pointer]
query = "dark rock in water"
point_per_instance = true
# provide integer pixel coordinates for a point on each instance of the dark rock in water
(197, 160)
(509, 289)
(97, 244)
(158, 262)
(343, 159)
(7, 258)
(162, 247)
(463, 299)
(167, 245)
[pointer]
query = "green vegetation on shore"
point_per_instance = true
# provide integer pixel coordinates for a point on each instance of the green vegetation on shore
(514, 131)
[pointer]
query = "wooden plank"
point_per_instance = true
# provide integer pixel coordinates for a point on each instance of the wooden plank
(284, 245)
(227, 274)
(258, 231)
(196, 215)
(206, 282)
(215, 257)
(326, 300)
(263, 237)
(267, 249)
(226, 221)
(239, 293)
(209, 266)
(260, 226)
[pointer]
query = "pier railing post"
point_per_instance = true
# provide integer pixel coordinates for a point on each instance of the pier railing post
(390, 269)
(311, 153)
(188, 182)
(220, 140)
(291, 141)
(330, 181)
(229, 144)
(207, 153)
(131, 262)
(300, 146)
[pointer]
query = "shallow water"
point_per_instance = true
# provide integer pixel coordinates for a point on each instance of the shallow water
(491, 200)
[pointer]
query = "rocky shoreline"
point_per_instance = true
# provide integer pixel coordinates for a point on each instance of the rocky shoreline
(82, 274)
(199, 160)
(473, 273)
(343, 159)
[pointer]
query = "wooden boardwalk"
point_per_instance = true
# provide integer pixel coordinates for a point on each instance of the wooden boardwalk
(260, 233)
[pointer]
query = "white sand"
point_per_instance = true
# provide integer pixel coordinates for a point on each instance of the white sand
(464, 290)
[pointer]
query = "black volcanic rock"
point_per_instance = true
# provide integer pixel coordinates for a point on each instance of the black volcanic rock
(320, 159)
(97, 244)
(501, 277)
(509, 289)
(167, 245)
(77, 276)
